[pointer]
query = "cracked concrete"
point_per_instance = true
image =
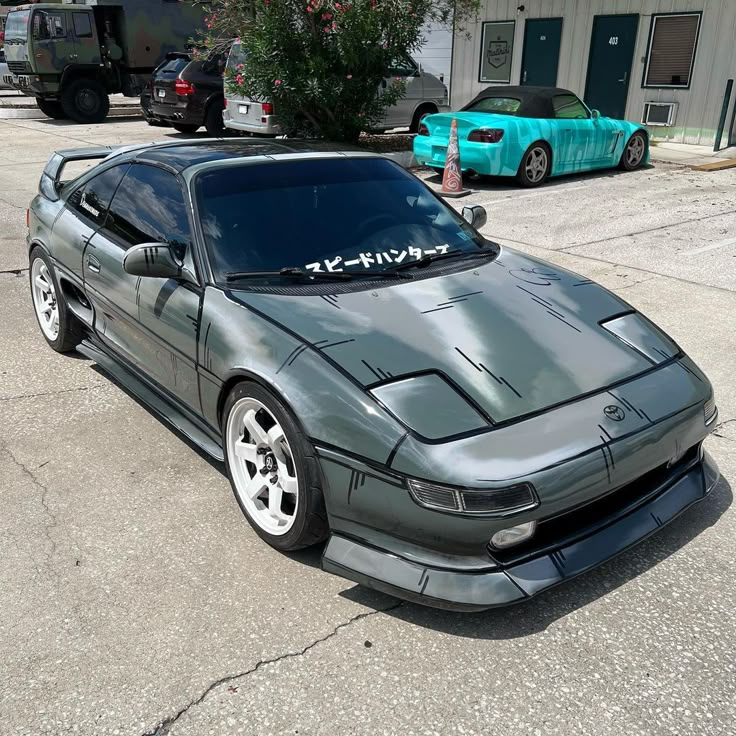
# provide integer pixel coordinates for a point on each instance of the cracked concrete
(159, 611)
(167, 724)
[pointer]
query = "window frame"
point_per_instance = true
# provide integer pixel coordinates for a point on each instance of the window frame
(484, 26)
(91, 177)
(647, 64)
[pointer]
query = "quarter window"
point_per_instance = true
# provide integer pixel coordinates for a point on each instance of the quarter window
(149, 207)
(92, 199)
(82, 25)
(672, 50)
(569, 107)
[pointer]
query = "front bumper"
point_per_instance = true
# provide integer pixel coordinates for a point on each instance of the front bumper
(461, 588)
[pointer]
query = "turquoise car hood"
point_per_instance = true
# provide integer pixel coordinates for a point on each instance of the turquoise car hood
(516, 335)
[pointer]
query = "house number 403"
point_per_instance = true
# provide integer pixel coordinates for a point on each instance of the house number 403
(613, 41)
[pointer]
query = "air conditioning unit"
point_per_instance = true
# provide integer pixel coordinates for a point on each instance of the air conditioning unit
(659, 113)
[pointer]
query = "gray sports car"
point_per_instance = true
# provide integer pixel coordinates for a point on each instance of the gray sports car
(464, 424)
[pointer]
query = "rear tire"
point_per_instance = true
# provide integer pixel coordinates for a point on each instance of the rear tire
(85, 101)
(59, 327)
(185, 127)
(535, 166)
(634, 152)
(213, 122)
(51, 108)
(267, 453)
(419, 115)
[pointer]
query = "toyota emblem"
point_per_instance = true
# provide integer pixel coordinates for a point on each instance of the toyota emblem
(615, 413)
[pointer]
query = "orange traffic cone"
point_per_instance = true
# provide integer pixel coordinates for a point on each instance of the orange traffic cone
(452, 181)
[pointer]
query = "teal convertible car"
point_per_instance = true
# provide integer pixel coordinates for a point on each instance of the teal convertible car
(532, 133)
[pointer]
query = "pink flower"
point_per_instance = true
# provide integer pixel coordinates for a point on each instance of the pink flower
(237, 40)
(327, 29)
(241, 67)
(277, 82)
(350, 76)
(239, 79)
(310, 9)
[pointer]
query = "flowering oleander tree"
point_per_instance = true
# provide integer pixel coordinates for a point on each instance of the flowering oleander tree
(324, 63)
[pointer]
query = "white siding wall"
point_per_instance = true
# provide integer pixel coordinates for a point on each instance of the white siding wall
(699, 107)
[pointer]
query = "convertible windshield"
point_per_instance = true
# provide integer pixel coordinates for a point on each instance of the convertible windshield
(347, 215)
(498, 105)
(16, 26)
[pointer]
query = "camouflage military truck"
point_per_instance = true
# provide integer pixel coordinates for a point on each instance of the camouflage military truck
(71, 57)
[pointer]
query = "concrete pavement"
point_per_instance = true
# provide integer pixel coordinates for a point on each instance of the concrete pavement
(135, 599)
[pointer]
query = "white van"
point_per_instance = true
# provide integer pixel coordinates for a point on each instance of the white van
(425, 95)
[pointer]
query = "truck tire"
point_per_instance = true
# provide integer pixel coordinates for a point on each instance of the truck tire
(186, 128)
(51, 108)
(85, 101)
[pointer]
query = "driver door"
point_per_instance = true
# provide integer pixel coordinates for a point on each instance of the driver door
(50, 47)
(150, 207)
(577, 142)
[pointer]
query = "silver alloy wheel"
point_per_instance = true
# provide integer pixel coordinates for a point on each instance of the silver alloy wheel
(44, 299)
(262, 466)
(635, 151)
(536, 164)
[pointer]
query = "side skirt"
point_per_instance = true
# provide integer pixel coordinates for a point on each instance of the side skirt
(163, 408)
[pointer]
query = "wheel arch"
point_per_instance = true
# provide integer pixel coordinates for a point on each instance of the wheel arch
(240, 375)
(550, 149)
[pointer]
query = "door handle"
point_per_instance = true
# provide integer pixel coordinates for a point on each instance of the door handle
(625, 79)
(93, 264)
(73, 56)
(523, 79)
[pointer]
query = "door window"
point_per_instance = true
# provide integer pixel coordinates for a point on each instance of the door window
(569, 107)
(92, 199)
(48, 26)
(149, 207)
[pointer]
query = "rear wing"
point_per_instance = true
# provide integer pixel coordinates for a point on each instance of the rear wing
(52, 182)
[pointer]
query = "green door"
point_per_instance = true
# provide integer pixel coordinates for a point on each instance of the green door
(609, 67)
(541, 52)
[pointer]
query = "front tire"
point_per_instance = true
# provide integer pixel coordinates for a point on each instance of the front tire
(273, 469)
(59, 327)
(51, 108)
(634, 152)
(535, 165)
(85, 101)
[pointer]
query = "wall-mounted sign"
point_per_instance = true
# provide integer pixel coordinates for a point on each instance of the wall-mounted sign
(497, 49)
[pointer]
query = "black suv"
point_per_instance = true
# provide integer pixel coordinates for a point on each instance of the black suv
(186, 94)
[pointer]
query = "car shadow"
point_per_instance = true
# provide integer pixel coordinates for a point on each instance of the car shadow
(134, 117)
(478, 183)
(537, 614)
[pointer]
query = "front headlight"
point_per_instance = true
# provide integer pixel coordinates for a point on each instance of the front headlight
(490, 501)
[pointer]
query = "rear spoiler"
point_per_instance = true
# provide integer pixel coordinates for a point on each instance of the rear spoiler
(51, 180)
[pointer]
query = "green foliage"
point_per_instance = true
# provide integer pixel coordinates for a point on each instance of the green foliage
(323, 62)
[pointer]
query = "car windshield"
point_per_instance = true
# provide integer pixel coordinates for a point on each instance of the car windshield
(325, 216)
(16, 26)
(498, 105)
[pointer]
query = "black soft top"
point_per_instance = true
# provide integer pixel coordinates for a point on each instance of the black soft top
(536, 102)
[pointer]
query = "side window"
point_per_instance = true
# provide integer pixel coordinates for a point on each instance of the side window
(92, 199)
(149, 207)
(82, 25)
(569, 106)
(48, 26)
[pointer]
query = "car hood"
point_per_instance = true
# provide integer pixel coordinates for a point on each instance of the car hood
(514, 336)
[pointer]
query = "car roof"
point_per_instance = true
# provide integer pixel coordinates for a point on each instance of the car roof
(186, 154)
(536, 102)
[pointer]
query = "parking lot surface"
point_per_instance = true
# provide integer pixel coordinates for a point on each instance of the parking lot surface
(135, 599)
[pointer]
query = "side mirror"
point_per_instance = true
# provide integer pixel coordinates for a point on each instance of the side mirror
(475, 215)
(154, 260)
(596, 114)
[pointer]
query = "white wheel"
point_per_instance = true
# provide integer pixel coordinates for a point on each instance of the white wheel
(44, 300)
(262, 466)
